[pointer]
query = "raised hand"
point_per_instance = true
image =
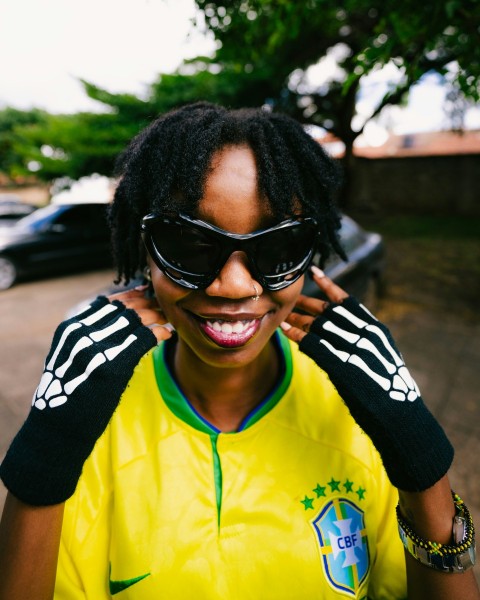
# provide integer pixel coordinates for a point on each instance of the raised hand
(89, 365)
(364, 364)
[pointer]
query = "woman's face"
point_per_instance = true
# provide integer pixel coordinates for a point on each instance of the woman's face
(223, 325)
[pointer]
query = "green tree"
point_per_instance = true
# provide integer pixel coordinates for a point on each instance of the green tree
(265, 49)
(10, 120)
(278, 40)
(80, 144)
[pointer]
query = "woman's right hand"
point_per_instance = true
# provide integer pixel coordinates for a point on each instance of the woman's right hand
(90, 363)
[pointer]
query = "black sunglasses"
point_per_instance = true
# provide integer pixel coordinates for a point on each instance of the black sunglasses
(192, 252)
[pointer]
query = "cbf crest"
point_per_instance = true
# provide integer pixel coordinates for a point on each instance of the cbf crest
(340, 529)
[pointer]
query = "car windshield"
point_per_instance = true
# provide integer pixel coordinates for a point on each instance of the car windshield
(38, 219)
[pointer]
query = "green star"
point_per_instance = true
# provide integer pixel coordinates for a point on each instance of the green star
(348, 485)
(319, 490)
(361, 493)
(307, 502)
(335, 485)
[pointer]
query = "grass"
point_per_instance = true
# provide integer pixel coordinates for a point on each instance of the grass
(425, 227)
(432, 261)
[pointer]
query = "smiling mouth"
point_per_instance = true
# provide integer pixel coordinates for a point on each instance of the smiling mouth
(228, 333)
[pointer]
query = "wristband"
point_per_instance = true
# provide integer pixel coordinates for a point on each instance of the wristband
(457, 557)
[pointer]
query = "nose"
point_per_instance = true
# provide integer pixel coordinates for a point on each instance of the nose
(235, 281)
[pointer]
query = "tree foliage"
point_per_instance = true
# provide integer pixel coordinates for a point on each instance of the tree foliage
(75, 145)
(265, 49)
(281, 37)
(11, 120)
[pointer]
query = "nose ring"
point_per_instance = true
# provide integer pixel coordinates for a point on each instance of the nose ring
(256, 297)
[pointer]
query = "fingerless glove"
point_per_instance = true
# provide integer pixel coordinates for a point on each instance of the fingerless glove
(364, 364)
(89, 365)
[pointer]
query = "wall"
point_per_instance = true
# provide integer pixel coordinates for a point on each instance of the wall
(434, 185)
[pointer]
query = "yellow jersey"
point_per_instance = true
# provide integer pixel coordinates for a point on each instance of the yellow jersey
(295, 505)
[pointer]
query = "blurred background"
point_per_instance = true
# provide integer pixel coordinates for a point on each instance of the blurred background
(391, 89)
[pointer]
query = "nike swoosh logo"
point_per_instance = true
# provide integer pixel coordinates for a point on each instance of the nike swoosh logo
(122, 584)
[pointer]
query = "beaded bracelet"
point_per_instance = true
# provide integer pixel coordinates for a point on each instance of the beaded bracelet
(456, 557)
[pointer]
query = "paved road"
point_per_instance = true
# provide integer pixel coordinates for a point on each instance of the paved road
(442, 351)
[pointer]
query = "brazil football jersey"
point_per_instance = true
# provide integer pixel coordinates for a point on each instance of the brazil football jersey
(295, 505)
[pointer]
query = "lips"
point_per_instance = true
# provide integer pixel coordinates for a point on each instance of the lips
(229, 332)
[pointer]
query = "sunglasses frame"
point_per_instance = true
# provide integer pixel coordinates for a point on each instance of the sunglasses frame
(230, 242)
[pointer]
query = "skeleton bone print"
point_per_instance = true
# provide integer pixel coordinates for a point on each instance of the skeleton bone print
(397, 379)
(362, 361)
(91, 360)
(66, 366)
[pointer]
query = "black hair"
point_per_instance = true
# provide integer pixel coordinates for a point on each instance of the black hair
(165, 167)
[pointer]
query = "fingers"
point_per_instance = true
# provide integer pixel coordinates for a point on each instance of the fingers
(312, 306)
(134, 298)
(302, 322)
(293, 333)
(333, 292)
(296, 326)
(162, 331)
(147, 309)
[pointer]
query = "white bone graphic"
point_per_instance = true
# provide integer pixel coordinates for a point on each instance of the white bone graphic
(400, 384)
(55, 385)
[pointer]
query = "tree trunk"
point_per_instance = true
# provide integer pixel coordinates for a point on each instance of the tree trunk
(346, 197)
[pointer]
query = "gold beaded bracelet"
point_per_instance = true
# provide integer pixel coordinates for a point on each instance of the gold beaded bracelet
(452, 558)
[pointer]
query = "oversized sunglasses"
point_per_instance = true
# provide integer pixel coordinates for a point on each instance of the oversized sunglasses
(192, 252)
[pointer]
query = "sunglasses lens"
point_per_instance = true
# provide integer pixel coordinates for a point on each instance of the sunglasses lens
(192, 253)
(281, 251)
(185, 248)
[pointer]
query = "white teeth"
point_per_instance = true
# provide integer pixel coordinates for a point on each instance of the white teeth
(237, 327)
(230, 327)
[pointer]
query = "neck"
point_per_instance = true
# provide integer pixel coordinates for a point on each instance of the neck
(225, 396)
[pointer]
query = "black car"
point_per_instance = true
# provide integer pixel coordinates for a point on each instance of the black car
(58, 238)
(12, 208)
(362, 274)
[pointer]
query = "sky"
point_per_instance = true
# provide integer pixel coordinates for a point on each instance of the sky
(122, 46)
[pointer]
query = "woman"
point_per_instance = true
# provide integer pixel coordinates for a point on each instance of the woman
(232, 466)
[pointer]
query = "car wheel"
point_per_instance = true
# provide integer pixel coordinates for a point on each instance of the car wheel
(8, 273)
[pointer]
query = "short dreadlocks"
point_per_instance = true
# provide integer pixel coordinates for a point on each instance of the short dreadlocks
(165, 167)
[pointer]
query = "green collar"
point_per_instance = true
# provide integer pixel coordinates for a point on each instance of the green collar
(181, 407)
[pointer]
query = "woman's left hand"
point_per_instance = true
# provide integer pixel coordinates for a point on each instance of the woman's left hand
(361, 358)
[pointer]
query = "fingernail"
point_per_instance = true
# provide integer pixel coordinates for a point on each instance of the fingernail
(141, 288)
(169, 327)
(317, 272)
(285, 326)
